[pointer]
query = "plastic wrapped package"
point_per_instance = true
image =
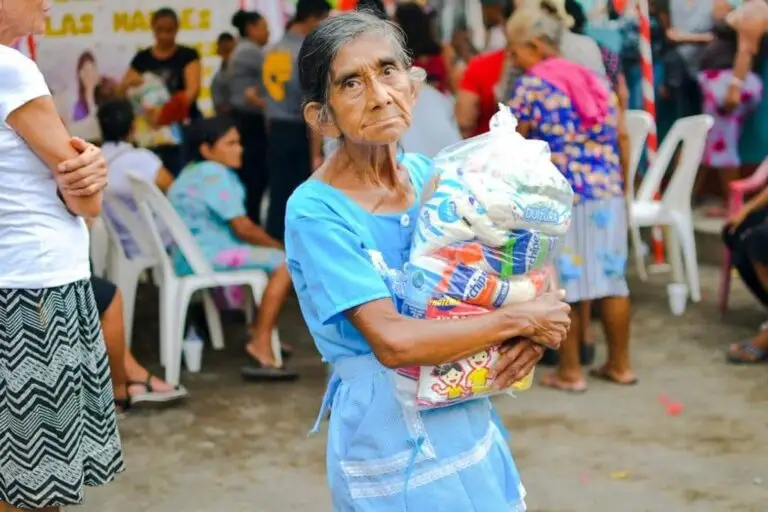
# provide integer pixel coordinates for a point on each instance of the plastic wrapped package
(150, 95)
(485, 238)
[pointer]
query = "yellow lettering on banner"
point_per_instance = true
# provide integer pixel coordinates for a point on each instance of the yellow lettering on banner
(70, 25)
(135, 21)
(141, 21)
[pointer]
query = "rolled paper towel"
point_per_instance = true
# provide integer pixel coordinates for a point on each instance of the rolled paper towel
(433, 276)
(523, 252)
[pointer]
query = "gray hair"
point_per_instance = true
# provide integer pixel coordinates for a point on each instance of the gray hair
(531, 23)
(322, 46)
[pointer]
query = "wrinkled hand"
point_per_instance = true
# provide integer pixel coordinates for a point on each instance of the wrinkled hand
(517, 360)
(84, 175)
(545, 319)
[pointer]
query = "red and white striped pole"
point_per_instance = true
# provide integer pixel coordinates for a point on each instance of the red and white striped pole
(649, 105)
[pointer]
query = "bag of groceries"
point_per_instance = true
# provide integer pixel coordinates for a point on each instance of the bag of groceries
(485, 238)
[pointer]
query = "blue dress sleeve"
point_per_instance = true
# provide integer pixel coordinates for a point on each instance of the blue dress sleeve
(330, 267)
(223, 193)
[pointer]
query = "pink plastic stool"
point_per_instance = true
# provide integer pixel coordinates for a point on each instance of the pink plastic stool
(736, 194)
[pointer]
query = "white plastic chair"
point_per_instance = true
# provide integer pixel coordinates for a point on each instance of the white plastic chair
(122, 270)
(99, 246)
(176, 291)
(674, 209)
(639, 124)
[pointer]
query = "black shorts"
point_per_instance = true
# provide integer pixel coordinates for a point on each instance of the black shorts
(104, 292)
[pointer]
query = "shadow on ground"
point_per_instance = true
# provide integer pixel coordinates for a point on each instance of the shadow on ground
(244, 447)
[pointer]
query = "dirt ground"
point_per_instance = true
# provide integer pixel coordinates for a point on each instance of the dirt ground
(244, 447)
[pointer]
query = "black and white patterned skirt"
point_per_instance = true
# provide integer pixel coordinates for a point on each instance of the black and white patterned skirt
(57, 417)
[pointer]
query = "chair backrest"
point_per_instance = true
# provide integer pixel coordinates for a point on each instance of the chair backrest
(638, 125)
(117, 212)
(690, 132)
(154, 208)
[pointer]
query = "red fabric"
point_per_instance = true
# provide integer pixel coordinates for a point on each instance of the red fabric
(481, 76)
(175, 111)
(437, 71)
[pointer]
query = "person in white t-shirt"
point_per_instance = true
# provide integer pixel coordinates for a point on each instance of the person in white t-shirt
(57, 418)
(117, 124)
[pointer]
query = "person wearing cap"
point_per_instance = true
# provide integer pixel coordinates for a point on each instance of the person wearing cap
(290, 155)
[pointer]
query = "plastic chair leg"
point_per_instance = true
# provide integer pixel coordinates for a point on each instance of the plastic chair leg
(675, 255)
(174, 343)
(213, 317)
(168, 321)
(637, 246)
(276, 348)
(725, 281)
(688, 242)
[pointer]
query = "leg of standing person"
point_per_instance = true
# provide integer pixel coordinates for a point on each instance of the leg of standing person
(587, 341)
(253, 173)
(289, 166)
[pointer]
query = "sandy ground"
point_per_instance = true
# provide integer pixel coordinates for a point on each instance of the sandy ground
(244, 447)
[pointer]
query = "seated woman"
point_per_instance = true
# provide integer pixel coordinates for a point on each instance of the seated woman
(118, 124)
(572, 109)
(348, 230)
(746, 235)
(210, 199)
(132, 383)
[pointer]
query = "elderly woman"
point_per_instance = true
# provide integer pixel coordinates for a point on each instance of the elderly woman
(572, 109)
(57, 419)
(358, 208)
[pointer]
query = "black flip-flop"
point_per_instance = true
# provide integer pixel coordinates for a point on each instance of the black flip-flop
(601, 374)
(759, 355)
(255, 370)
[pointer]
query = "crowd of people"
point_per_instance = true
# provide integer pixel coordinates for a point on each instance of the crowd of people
(332, 129)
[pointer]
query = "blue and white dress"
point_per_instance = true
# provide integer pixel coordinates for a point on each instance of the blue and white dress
(382, 456)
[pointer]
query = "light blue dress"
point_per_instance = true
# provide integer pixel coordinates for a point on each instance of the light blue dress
(207, 196)
(381, 456)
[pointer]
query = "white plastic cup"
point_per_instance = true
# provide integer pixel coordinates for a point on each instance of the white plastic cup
(193, 355)
(677, 293)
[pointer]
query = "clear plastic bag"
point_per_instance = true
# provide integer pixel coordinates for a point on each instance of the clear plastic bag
(485, 238)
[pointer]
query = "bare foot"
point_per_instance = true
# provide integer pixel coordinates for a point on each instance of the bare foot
(553, 381)
(264, 357)
(622, 378)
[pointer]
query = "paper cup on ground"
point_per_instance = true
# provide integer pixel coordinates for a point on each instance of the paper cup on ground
(678, 297)
(193, 355)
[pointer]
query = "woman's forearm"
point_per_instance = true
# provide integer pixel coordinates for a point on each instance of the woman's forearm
(400, 341)
(742, 64)
(38, 123)
(758, 202)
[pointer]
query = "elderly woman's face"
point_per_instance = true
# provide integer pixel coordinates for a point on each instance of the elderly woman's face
(25, 17)
(524, 55)
(371, 93)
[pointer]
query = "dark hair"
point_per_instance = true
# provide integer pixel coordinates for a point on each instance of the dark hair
(206, 131)
(225, 37)
(242, 19)
(306, 9)
(443, 369)
(115, 120)
(576, 12)
(323, 44)
(417, 27)
(165, 12)
(374, 7)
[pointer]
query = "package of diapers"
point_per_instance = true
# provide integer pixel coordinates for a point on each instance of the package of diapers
(485, 238)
